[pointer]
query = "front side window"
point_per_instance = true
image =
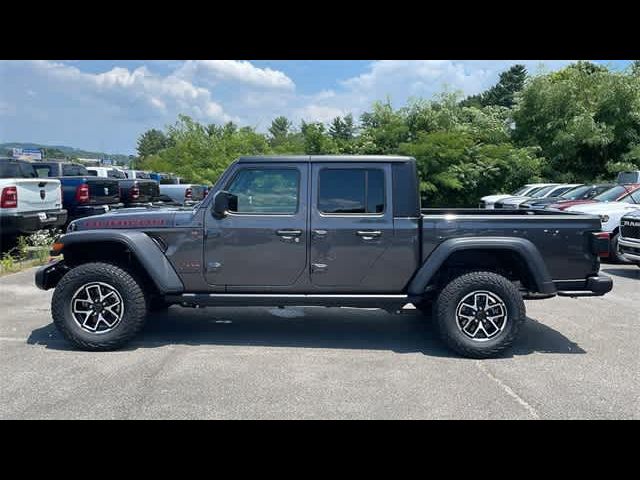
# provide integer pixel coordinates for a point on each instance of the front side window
(343, 190)
(265, 191)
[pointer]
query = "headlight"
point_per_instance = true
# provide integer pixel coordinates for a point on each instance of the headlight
(604, 218)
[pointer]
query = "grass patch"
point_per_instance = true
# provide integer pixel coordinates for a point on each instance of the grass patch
(30, 251)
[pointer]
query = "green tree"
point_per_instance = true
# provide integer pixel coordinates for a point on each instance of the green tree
(503, 93)
(583, 118)
(279, 128)
(316, 139)
(151, 142)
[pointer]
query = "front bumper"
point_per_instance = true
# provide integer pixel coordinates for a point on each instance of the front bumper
(50, 274)
(594, 286)
(630, 249)
(32, 221)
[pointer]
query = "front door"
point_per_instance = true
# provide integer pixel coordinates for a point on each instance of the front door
(262, 242)
(351, 222)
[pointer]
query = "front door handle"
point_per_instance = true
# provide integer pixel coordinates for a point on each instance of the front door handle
(289, 235)
(369, 234)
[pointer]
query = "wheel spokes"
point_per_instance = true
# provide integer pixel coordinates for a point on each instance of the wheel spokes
(481, 315)
(97, 307)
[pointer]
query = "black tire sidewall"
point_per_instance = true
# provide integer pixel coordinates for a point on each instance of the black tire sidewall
(447, 303)
(615, 254)
(130, 291)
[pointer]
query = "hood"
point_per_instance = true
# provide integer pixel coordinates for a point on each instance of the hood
(565, 204)
(603, 207)
(131, 219)
(511, 200)
(493, 198)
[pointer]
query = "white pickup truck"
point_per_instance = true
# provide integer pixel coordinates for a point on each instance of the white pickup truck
(182, 193)
(28, 203)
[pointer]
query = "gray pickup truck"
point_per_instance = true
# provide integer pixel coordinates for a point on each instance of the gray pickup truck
(324, 231)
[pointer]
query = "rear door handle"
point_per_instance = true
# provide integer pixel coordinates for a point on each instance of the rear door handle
(369, 234)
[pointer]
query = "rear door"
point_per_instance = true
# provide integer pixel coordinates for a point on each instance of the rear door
(351, 221)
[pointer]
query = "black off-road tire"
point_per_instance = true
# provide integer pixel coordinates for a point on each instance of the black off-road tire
(454, 292)
(614, 254)
(133, 298)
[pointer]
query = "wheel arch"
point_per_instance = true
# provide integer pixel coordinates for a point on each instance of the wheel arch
(519, 254)
(136, 251)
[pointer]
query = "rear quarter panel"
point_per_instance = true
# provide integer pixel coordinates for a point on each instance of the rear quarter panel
(563, 240)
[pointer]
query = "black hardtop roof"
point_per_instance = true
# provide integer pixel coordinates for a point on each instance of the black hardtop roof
(325, 158)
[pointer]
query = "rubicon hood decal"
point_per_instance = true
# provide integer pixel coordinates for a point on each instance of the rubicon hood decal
(129, 220)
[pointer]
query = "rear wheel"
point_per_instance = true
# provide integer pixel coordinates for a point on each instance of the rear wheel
(479, 314)
(98, 306)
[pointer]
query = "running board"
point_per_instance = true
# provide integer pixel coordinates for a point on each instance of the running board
(293, 299)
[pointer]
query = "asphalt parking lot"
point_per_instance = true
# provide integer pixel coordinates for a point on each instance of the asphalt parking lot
(576, 358)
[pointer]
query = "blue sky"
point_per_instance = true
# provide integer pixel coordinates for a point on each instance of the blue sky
(105, 105)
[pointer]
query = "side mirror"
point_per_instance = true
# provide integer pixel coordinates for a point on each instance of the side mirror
(223, 202)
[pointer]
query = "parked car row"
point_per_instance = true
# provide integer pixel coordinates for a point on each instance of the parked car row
(49, 194)
(610, 201)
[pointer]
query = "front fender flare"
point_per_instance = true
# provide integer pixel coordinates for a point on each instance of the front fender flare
(521, 246)
(146, 251)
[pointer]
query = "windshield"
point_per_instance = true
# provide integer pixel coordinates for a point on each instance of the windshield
(167, 180)
(517, 193)
(575, 193)
(560, 190)
(542, 191)
(628, 177)
(140, 174)
(633, 197)
(611, 195)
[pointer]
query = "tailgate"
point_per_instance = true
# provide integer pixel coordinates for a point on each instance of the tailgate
(102, 191)
(197, 192)
(149, 190)
(38, 194)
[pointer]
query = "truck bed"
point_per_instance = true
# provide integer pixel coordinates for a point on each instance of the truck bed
(562, 238)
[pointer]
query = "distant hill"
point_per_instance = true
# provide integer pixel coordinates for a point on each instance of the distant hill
(66, 150)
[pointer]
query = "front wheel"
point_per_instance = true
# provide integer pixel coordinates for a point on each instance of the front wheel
(614, 254)
(479, 314)
(98, 306)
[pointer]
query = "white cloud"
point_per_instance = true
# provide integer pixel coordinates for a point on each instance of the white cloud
(107, 110)
(243, 72)
(122, 87)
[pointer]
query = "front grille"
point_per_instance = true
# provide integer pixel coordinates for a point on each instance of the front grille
(630, 231)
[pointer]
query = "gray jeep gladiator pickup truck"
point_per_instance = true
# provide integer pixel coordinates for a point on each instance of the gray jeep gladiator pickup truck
(323, 231)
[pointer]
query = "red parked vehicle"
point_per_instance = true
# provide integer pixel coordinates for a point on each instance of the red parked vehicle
(614, 194)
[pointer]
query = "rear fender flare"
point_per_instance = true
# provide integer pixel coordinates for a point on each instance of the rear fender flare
(520, 246)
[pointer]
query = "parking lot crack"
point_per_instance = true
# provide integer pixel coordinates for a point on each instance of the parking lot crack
(508, 390)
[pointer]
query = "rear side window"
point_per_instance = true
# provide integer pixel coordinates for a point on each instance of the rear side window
(73, 170)
(357, 191)
(112, 173)
(266, 191)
